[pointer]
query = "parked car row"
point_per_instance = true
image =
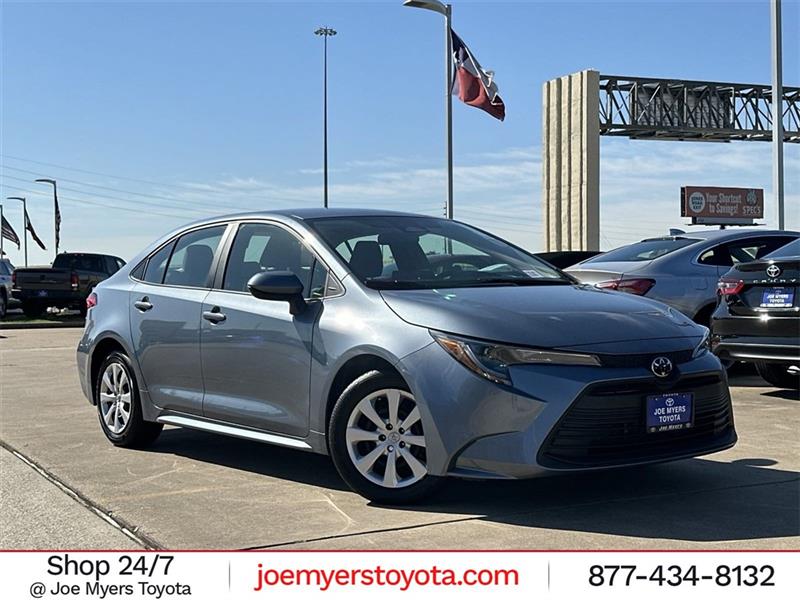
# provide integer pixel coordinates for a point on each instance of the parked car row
(742, 284)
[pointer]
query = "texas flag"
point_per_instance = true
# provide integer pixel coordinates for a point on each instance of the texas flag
(472, 84)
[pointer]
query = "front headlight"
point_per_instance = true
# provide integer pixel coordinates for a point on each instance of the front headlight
(704, 345)
(491, 361)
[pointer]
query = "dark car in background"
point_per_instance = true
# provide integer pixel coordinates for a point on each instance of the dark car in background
(6, 269)
(566, 258)
(680, 270)
(758, 317)
(66, 284)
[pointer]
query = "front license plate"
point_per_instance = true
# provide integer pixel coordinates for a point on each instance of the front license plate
(667, 412)
(777, 298)
(42, 293)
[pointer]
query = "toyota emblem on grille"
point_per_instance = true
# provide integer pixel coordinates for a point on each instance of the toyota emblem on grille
(661, 366)
(773, 271)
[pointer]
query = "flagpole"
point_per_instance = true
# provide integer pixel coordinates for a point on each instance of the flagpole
(56, 212)
(1, 232)
(777, 112)
(24, 222)
(448, 59)
(447, 11)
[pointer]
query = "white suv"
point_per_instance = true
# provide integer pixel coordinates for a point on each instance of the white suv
(6, 268)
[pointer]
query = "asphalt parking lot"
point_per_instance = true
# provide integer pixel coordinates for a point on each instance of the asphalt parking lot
(60, 479)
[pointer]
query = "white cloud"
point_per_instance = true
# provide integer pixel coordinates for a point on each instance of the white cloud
(499, 191)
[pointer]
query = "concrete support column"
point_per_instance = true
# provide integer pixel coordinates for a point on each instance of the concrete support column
(571, 162)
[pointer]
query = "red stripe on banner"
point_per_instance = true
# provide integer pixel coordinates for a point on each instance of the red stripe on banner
(472, 92)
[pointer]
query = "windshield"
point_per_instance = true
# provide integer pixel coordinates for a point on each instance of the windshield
(644, 250)
(399, 252)
(790, 249)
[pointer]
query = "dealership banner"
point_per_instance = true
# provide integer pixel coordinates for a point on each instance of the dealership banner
(722, 205)
(442, 574)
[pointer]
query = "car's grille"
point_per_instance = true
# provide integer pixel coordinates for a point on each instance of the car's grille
(605, 426)
(644, 360)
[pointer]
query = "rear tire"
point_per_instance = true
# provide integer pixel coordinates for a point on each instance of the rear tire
(33, 310)
(362, 444)
(777, 374)
(3, 305)
(119, 406)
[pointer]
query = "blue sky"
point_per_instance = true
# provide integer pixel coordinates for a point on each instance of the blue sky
(154, 114)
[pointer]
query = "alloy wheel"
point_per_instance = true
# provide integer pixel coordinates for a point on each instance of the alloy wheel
(115, 398)
(385, 439)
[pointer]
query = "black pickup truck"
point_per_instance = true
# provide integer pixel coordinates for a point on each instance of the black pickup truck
(65, 285)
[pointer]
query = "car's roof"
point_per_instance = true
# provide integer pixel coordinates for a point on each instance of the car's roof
(316, 213)
(720, 234)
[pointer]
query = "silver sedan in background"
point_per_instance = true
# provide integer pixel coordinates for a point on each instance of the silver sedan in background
(680, 270)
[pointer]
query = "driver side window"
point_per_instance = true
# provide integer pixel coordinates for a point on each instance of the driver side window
(262, 247)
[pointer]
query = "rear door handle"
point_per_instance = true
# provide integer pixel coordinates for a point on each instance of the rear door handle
(143, 304)
(214, 315)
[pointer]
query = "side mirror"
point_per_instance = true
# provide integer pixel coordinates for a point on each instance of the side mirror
(279, 285)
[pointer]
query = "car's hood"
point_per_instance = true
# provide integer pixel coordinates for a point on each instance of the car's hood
(553, 316)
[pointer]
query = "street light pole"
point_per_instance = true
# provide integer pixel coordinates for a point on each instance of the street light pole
(56, 216)
(448, 96)
(447, 11)
(325, 32)
(777, 111)
(24, 222)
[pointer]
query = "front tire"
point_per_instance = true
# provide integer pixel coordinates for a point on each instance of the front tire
(778, 375)
(377, 441)
(119, 407)
(3, 306)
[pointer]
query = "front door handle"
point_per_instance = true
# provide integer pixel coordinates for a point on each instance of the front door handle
(144, 304)
(214, 315)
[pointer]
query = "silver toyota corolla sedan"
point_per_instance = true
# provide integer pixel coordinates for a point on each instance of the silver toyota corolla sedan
(680, 270)
(409, 348)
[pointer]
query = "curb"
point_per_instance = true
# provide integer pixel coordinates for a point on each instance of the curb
(45, 325)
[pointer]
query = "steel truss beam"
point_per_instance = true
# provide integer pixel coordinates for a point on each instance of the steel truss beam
(647, 108)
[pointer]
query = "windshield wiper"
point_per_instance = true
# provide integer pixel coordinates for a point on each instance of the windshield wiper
(445, 284)
(517, 281)
(398, 285)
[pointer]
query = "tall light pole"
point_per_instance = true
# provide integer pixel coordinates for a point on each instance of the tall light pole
(56, 211)
(446, 10)
(24, 222)
(325, 32)
(777, 111)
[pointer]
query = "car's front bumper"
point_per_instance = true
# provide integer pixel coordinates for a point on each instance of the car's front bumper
(559, 418)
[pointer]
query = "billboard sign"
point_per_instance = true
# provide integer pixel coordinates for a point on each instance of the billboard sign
(722, 205)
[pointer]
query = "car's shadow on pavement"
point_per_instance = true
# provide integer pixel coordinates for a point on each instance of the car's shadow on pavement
(783, 394)
(689, 500)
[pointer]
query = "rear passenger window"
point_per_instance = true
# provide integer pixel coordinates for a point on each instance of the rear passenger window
(154, 273)
(190, 263)
(741, 251)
